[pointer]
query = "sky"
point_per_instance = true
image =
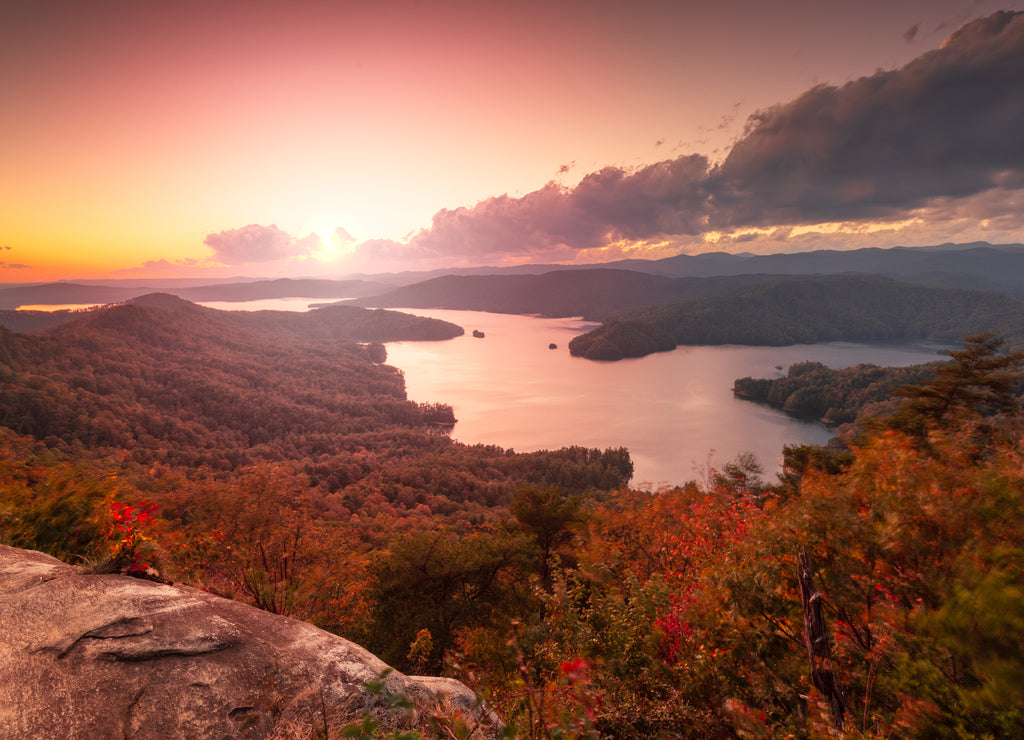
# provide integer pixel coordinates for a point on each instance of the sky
(146, 139)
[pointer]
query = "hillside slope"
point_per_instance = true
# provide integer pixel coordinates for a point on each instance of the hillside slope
(796, 310)
(595, 294)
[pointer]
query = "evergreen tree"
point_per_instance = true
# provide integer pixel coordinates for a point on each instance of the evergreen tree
(978, 383)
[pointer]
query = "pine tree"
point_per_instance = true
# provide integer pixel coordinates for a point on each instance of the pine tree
(979, 382)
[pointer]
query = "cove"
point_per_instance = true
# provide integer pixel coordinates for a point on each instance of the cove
(674, 411)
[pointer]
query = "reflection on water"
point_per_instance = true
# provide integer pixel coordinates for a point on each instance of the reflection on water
(58, 306)
(266, 304)
(675, 411)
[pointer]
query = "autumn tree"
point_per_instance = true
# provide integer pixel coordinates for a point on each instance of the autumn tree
(548, 515)
(442, 581)
(978, 382)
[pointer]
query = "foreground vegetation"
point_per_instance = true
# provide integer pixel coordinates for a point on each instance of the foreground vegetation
(812, 390)
(576, 606)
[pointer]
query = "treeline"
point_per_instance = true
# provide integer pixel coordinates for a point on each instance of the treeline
(804, 310)
(812, 390)
(596, 294)
(163, 382)
(625, 614)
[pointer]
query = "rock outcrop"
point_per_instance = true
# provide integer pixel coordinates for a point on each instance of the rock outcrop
(108, 656)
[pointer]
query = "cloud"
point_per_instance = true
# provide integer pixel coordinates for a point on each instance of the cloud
(341, 238)
(256, 243)
(911, 33)
(557, 223)
(933, 140)
(946, 125)
(14, 266)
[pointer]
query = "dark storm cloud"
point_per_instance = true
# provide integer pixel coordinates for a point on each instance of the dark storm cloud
(664, 198)
(606, 206)
(256, 243)
(541, 221)
(946, 125)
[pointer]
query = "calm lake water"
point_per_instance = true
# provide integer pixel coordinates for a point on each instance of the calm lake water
(674, 411)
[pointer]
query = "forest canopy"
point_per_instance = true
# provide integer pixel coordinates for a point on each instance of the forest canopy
(803, 310)
(298, 478)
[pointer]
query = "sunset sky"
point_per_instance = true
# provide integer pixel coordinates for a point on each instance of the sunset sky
(317, 138)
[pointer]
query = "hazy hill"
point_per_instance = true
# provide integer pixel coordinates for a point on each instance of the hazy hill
(281, 288)
(335, 322)
(980, 264)
(594, 294)
(977, 265)
(795, 310)
(63, 293)
(1002, 264)
(163, 379)
(56, 294)
(327, 323)
(26, 321)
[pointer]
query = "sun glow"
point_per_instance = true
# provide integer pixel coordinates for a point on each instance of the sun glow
(850, 227)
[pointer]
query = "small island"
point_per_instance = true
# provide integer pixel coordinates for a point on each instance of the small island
(552, 346)
(478, 334)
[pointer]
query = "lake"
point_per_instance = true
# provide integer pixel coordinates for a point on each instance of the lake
(674, 411)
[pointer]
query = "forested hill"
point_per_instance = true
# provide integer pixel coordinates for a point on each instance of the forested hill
(329, 323)
(812, 390)
(796, 310)
(999, 268)
(594, 294)
(243, 290)
(162, 373)
(163, 380)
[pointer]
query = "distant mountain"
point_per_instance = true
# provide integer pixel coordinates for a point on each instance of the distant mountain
(997, 268)
(795, 310)
(26, 321)
(979, 265)
(606, 291)
(281, 288)
(55, 294)
(330, 323)
(1000, 264)
(595, 294)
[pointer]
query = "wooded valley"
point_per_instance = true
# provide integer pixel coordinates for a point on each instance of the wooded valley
(293, 474)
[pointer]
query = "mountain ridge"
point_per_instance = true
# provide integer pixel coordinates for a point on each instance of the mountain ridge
(808, 309)
(983, 259)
